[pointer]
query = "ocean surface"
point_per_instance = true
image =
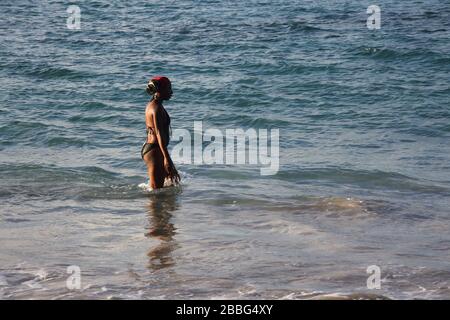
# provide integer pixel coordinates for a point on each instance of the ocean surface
(364, 176)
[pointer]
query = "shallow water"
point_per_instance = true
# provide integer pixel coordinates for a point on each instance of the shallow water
(364, 174)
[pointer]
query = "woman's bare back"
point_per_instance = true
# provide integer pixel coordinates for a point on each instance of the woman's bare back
(152, 110)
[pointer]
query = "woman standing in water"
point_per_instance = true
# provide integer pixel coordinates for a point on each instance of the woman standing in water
(154, 151)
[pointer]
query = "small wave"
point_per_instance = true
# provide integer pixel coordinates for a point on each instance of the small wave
(288, 227)
(93, 119)
(36, 175)
(55, 72)
(16, 128)
(35, 133)
(39, 135)
(29, 181)
(303, 26)
(434, 30)
(245, 121)
(394, 54)
(66, 141)
(331, 207)
(425, 131)
(87, 106)
(25, 281)
(351, 296)
(283, 26)
(15, 220)
(47, 71)
(364, 178)
(339, 206)
(125, 191)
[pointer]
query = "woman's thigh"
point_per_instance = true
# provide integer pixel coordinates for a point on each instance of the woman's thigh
(155, 166)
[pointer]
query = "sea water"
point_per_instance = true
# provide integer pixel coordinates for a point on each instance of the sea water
(364, 174)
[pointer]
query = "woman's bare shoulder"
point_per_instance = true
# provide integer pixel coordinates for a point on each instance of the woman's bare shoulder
(152, 107)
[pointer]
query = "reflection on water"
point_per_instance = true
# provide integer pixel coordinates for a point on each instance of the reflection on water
(160, 209)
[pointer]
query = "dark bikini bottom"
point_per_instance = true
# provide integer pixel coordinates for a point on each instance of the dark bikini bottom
(147, 147)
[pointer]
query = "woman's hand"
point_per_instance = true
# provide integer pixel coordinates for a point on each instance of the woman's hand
(175, 177)
(167, 165)
(171, 171)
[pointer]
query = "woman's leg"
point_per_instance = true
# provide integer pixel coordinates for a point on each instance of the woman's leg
(155, 169)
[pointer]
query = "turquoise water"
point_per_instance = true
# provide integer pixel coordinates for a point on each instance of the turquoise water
(364, 174)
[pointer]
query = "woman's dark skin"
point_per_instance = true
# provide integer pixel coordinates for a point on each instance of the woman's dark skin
(159, 164)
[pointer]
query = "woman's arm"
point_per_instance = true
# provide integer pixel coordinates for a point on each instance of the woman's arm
(161, 138)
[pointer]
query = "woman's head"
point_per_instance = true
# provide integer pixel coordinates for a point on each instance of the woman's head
(160, 88)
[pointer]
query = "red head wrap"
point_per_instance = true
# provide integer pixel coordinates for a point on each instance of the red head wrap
(162, 82)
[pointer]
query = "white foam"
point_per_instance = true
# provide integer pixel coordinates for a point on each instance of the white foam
(168, 185)
(288, 227)
(145, 186)
(41, 274)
